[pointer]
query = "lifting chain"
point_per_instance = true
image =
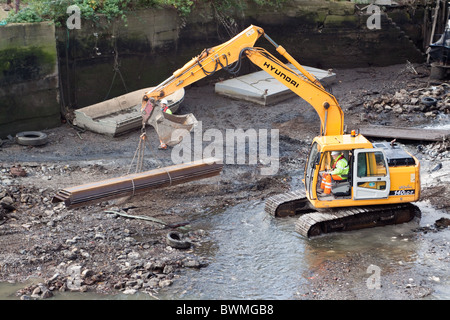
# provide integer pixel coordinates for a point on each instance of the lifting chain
(140, 152)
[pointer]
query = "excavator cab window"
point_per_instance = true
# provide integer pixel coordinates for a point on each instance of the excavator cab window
(371, 164)
(339, 188)
(327, 161)
(313, 161)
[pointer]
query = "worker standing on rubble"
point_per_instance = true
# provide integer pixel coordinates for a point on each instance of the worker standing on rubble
(340, 166)
(164, 108)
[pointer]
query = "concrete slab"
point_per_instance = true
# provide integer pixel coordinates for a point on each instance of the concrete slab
(260, 87)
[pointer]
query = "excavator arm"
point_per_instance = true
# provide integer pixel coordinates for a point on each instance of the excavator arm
(325, 104)
(228, 56)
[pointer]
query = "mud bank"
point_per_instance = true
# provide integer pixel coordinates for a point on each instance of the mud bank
(95, 249)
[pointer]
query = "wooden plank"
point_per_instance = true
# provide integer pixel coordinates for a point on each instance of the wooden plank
(420, 134)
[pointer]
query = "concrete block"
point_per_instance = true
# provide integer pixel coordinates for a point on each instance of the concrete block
(260, 87)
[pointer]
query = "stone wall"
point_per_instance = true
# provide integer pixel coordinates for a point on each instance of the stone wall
(334, 34)
(28, 78)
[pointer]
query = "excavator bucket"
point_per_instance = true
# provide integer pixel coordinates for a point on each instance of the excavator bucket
(165, 124)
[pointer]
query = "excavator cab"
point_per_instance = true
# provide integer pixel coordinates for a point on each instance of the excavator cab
(376, 174)
(367, 168)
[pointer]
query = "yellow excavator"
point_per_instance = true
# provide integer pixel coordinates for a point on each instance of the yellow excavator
(382, 179)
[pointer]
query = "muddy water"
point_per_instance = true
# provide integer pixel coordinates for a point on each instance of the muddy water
(253, 256)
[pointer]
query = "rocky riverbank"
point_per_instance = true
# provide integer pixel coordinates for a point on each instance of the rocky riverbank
(94, 250)
(118, 246)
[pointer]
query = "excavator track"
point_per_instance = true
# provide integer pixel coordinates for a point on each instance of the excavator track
(314, 222)
(347, 219)
(288, 204)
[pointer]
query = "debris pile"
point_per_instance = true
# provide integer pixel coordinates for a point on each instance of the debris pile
(136, 270)
(435, 151)
(431, 101)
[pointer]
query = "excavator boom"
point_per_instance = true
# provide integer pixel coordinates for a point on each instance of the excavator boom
(325, 104)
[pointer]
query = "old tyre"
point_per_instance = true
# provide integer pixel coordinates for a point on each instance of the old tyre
(174, 239)
(31, 138)
(429, 101)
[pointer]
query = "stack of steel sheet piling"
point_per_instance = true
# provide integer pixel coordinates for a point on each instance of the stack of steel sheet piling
(133, 184)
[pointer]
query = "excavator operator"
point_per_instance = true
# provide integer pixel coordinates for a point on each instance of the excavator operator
(339, 166)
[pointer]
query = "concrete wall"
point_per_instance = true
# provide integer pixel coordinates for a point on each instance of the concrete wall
(28, 78)
(103, 60)
(99, 62)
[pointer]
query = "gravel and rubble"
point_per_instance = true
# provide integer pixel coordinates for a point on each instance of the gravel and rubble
(50, 238)
(430, 101)
(96, 249)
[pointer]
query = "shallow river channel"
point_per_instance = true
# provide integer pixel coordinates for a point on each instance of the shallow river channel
(255, 256)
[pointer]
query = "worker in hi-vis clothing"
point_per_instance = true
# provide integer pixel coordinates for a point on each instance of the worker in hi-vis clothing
(339, 166)
(164, 108)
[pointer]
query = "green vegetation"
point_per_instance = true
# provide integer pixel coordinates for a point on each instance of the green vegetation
(56, 10)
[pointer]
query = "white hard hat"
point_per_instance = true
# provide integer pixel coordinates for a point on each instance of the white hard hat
(164, 101)
(335, 153)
